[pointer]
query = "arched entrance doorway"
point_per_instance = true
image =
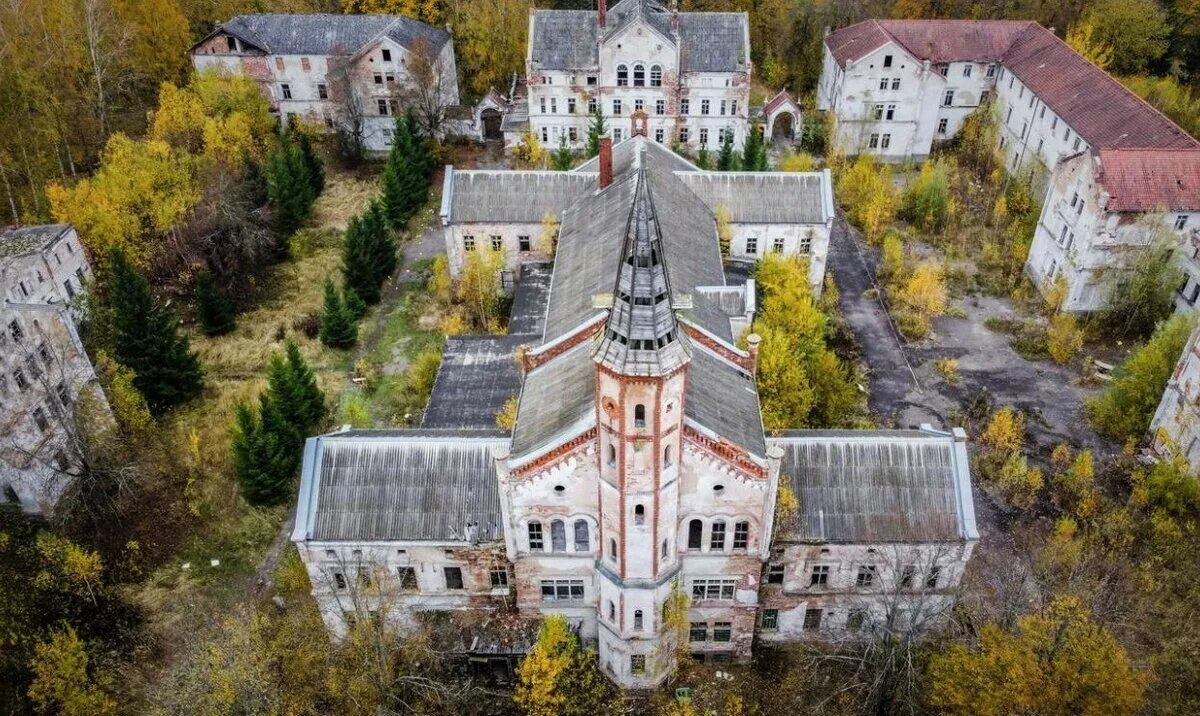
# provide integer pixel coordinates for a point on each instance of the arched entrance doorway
(491, 123)
(783, 129)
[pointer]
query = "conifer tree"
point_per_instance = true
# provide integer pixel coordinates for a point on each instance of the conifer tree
(215, 309)
(406, 177)
(563, 157)
(312, 162)
(703, 159)
(255, 180)
(146, 338)
(338, 327)
(596, 130)
(355, 306)
(309, 399)
(290, 188)
(726, 159)
(381, 245)
(754, 153)
(265, 454)
(357, 256)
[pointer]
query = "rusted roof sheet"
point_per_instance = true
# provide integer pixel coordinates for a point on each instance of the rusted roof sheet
(1151, 179)
(878, 486)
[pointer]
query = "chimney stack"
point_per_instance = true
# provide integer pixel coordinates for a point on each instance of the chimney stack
(602, 7)
(605, 154)
(753, 341)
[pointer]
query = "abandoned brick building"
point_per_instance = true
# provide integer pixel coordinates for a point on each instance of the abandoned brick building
(637, 465)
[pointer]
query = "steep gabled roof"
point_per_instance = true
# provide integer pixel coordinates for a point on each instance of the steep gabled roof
(326, 34)
(19, 241)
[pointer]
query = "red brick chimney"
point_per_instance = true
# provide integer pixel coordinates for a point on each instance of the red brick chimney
(602, 7)
(605, 156)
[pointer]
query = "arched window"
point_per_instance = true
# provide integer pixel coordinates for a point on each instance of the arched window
(612, 455)
(656, 76)
(695, 534)
(664, 550)
(622, 75)
(639, 514)
(582, 542)
(612, 611)
(717, 539)
(667, 456)
(612, 549)
(639, 75)
(558, 536)
(536, 538)
(637, 620)
(639, 416)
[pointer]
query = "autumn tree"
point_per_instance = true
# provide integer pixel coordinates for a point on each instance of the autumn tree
(866, 190)
(478, 288)
(1057, 662)
(1136, 31)
(560, 678)
(490, 38)
(147, 339)
(1144, 294)
(66, 682)
(214, 309)
(927, 202)
(427, 11)
(1082, 38)
(921, 298)
(1126, 407)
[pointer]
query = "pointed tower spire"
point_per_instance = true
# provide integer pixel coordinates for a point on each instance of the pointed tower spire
(642, 336)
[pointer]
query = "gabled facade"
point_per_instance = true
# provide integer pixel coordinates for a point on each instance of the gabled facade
(1117, 174)
(345, 71)
(688, 72)
(637, 471)
(43, 366)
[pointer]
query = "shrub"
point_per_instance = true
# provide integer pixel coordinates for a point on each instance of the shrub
(927, 201)
(891, 263)
(948, 368)
(1064, 338)
(870, 197)
(1005, 431)
(922, 298)
(1019, 482)
(796, 162)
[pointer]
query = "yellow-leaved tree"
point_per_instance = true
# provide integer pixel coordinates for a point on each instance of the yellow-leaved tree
(428, 11)
(559, 677)
(1083, 39)
(870, 196)
(489, 36)
(922, 298)
(65, 682)
(1055, 663)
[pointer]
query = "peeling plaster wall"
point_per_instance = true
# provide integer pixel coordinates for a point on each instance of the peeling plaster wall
(510, 235)
(795, 237)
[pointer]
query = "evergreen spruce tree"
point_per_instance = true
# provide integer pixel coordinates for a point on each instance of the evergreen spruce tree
(312, 162)
(338, 327)
(703, 159)
(355, 306)
(424, 159)
(307, 395)
(726, 158)
(290, 188)
(265, 453)
(406, 177)
(563, 157)
(381, 245)
(255, 180)
(754, 153)
(146, 339)
(357, 256)
(215, 310)
(596, 130)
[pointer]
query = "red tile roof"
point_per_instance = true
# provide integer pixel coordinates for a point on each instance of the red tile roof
(1151, 179)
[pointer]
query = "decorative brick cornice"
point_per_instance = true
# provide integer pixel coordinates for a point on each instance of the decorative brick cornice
(533, 358)
(555, 455)
(744, 362)
(726, 451)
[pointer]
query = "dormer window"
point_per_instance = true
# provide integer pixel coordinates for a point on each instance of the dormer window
(622, 76)
(639, 75)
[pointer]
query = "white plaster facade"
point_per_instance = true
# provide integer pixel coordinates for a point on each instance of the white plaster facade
(364, 82)
(1176, 423)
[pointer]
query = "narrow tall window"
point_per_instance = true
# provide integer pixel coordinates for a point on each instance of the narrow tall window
(741, 535)
(558, 536)
(622, 75)
(637, 620)
(667, 454)
(536, 541)
(695, 534)
(717, 540)
(639, 514)
(583, 542)
(931, 580)
(656, 76)
(887, 60)
(612, 455)
(387, 54)
(612, 548)
(639, 416)
(639, 76)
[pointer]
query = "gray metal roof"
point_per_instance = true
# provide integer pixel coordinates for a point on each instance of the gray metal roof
(477, 377)
(723, 400)
(708, 41)
(641, 335)
(399, 486)
(877, 486)
(325, 34)
(731, 300)
(763, 197)
(528, 315)
(29, 239)
(502, 196)
(558, 401)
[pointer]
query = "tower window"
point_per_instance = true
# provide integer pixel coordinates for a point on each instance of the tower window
(612, 611)
(667, 456)
(639, 416)
(558, 536)
(536, 541)
(612, 455)
(695, 534)
(717, 540)
(664, 550)
(612, 548)
(637, 620)
(639, 514)
(582, 541)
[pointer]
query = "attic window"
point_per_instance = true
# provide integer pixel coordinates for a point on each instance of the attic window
(231, 43)
(387, 54)
(887, 60)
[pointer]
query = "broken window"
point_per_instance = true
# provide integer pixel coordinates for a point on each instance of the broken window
(561, 590)
(866, 576)
(639, 416)
(812, 619)
(856, 619)
(536, 541)
(698, 631)
(497, 243)
(887, 60)
(339, 580)
(612, 611)
(820, 576)
(582, 540)
(639, 514)
(741, 535)
(722, 589)
(622, 75)
(39, 417)
(407, 577)
(695, 534)
(15, 330)
(286, 89)
(524, 244)
(931, 581)
(722, 631)
(231, 43)
(322, 92)
(558, 536)
(637, 664)
(499, 577)
(454, 579)
(775, 574)
(637, 620)
(386, 54)
(907, 575)
(656, 76)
